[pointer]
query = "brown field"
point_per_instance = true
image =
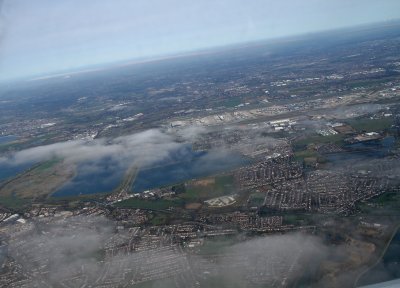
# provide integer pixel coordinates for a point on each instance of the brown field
(193, 206)
(41, 181)
(345, 129)
(204, 182)
(355, 255)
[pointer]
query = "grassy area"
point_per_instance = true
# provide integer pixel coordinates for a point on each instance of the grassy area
(159, 204)
(159, 219)
(13, 202)
(371, 125)
(48, 164)
(298, 219)
(367, 83)
(300, 155)
(300, 144)
(216, 246)
(257, 199)
(390, 201)
(209, 188)
(306, 153)
(232, 102)
(40, 180)
(310, 157)
(388, 198)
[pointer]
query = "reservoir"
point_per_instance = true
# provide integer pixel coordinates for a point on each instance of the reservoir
(8, 171)
(7, 139)
(184, 164)
(191, 165)
(364, 150)
(93, 177)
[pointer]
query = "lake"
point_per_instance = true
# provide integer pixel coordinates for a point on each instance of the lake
(191, 165)
(364, 150)
(184, 164)
(7, 139)
(93, 177)
(8, 171)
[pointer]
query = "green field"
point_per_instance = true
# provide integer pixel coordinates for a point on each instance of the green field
(300, 155)
(231, 102)
(256, 199)
(13, 202)
(40, 180)
(368, 83)
(216, 246)
(160, 219)
(300, 219)
(223, 185)
(371, 125)
(47, 165)
(388, 203)
(300, 144)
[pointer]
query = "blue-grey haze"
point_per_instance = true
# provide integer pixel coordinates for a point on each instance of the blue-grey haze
(45, 36)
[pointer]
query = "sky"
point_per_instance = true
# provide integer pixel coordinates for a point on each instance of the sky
(46, 36)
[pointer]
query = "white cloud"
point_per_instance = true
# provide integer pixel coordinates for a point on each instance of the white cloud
(143, 148)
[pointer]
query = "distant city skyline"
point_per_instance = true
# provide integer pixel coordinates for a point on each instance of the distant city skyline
(46, 36)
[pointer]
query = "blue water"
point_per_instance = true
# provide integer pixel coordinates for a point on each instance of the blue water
(190, 165)
(105, 175)
(379, 148)
(93, 177)
(8, 171)
(7, 139)
(364, 150)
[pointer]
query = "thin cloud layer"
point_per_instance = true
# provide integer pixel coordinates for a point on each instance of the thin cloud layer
(72, 248)
(143, 148)
(355, 111)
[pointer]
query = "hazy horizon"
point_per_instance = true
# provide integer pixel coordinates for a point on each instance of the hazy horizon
(50, 37)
